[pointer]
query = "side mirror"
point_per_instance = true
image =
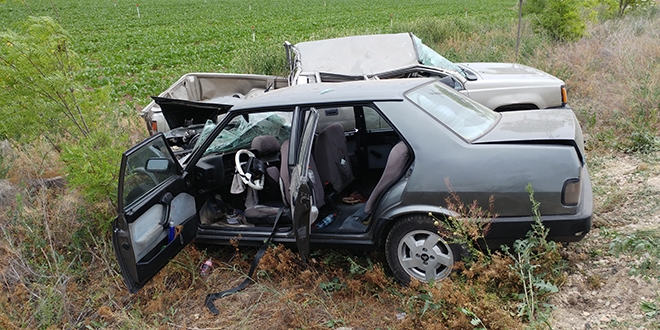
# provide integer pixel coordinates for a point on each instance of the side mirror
(158, 165)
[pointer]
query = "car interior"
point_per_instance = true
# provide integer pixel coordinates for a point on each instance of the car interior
(356, 156)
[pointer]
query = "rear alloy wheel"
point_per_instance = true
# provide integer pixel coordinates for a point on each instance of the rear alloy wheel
(415, 249)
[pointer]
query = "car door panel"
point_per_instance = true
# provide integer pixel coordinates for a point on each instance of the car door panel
(303, 205)
(162, 253)
(145, 230)
(157, 216)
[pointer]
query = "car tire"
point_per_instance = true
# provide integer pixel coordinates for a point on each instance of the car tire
(416, 248)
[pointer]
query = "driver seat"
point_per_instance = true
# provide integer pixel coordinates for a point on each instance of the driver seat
(259, 212)
(268, 150)
(261, 206)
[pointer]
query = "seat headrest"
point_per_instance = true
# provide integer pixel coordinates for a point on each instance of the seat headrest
(334, 129)
(265, 144)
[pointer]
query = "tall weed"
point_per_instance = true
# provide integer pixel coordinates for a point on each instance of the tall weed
(258, 59)
(4, 166)
(469, 39)
(43, 267)
(538, 265)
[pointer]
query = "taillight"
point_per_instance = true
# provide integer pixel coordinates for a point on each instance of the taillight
(570, 194)
(564, 95)
(154, 126)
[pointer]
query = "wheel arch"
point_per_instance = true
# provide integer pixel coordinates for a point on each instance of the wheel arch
(516, 107)
(392, 216)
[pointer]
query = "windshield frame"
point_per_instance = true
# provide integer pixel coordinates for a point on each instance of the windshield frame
(429, 57)
(199, 151)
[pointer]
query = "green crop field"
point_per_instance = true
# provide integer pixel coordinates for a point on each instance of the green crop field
(141, 56)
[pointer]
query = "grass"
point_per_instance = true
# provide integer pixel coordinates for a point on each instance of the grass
(624, 193)
(644, 248)
(57, 267)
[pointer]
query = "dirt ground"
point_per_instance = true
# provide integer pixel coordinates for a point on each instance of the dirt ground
(601, 291)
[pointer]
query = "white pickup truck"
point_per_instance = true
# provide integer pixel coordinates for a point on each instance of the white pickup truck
(499, 86)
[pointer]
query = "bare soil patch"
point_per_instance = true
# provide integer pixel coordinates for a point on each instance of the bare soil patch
(602, 289)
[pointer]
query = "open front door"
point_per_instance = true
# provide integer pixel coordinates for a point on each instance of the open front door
(157, 211)
(303, 205)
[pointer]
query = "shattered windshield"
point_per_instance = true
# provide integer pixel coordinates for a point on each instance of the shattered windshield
(428, 56)
(242, 129)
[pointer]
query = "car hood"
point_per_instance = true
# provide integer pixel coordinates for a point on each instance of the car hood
(182, 113)
(537, 127)
(512, 73)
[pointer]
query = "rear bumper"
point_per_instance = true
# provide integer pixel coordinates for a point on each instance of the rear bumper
(505, 231)
(562, 228)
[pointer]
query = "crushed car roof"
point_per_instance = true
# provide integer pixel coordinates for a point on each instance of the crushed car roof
(358, 55)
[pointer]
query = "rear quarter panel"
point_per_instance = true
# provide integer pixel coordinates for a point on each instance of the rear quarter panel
(443, 160)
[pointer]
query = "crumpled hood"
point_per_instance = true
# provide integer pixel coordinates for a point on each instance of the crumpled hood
(177, 112)
(537, 126)
(507, 71)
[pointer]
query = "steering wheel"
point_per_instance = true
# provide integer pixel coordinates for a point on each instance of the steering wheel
(254, 181)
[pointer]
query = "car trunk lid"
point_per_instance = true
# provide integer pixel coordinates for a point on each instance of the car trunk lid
(537, 127)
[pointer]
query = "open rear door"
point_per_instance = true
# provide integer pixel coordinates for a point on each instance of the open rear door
(303, 205)
(157, 211)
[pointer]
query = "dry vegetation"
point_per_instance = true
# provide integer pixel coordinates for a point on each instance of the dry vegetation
(57, 267)
(614, 81)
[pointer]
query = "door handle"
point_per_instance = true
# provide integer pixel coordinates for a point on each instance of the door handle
(166, 201)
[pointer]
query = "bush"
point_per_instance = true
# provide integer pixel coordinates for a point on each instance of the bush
(42, 96)
(39, 92)
(92, 164)
(559, 18)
